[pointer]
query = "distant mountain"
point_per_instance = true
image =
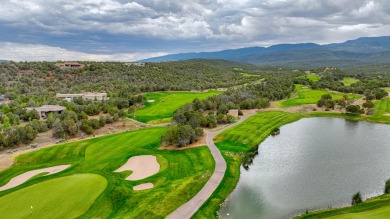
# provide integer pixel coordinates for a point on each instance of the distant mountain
(4, 61)
(362, 51)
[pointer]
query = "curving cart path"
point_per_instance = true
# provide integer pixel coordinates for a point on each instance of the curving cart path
(192, 206)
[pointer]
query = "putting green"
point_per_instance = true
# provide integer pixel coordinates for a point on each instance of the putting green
(380, 213)
(165, 104)
(65, 197)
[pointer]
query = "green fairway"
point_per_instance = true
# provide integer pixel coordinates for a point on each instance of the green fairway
(349, 81)
(165, 104)
(381, 213)
(306, 95)
(182, 174)
(64, 197)
(382, 113)
(377, 207)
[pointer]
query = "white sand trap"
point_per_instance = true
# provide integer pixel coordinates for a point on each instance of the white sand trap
(143, 186)
(22, 178)
(387, 114)
(151, 101)
(142, 167)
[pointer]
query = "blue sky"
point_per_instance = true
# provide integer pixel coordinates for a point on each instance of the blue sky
(125, 30)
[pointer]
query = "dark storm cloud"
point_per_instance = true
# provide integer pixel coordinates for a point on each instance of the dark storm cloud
(116, 27)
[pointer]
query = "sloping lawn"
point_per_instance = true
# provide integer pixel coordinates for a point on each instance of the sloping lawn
(306, 95)
(162, 105)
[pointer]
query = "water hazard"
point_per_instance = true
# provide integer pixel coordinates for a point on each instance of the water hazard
(314, 163)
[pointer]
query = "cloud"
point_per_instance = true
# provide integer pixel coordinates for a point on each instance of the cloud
(36, 52)
(145, 26)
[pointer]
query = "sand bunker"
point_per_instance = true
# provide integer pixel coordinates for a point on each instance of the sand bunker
(142, 167)
(387, 114)
(22, 178)
(143, 186)
(151, 101)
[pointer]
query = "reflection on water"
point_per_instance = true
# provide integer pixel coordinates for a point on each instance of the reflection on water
(314, 163)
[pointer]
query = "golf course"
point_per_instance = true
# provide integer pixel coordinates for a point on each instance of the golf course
(90, 187)
(98, 182)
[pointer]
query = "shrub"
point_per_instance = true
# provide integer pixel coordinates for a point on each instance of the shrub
(387, 187)
(357, 199)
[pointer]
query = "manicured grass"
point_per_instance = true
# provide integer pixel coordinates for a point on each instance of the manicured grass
(378, 207)
(381, 213)
(306, 95)
(182, 173)
(64, 197)
(314, 78)
(242, 138)
(165, 104)
(349, 81)
(382, 107)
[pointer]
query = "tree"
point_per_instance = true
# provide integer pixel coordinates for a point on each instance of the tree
(132, 110)
(58, 130)
(6, 124)
(354, 109)
(326, 97)
(29, 133)
(368, 104)
(387, 187)
(357, 199)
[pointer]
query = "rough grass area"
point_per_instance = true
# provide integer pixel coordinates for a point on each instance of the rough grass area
(378, 208)
(182, 174)
(64, 197)
(349, 81)
(165, 104)
(305, 95)
(242, 138)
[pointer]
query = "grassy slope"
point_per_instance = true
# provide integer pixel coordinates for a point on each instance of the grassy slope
(349, 81)
(160, 110)
(378, 207)
(314, 78)
(75, 194)
(307, 96)
(182, 173)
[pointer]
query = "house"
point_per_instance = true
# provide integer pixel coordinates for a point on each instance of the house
(45, 110)
(69, 65)
(233, 112)
(85, 96)
(140, 64)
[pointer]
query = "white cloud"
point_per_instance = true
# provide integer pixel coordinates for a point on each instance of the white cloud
(192, 23)
(36, 52)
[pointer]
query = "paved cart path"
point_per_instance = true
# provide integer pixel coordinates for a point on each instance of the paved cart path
(192, 206)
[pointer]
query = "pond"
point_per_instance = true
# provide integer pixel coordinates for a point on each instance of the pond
(315, 163)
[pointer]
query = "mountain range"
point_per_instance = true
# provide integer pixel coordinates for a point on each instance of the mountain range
(361, 51)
